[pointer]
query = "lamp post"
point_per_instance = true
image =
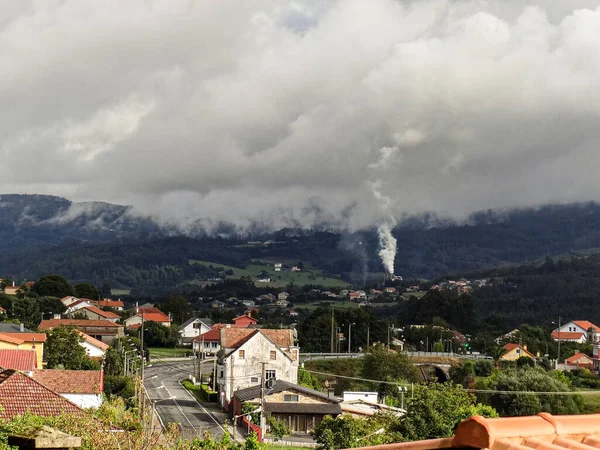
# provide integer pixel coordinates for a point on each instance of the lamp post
(403, 390)
(350, 336)
(558, 351)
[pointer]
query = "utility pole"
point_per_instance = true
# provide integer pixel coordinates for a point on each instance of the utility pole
(558, 353)
(332, 332)
(262, 400)
(388, 333)
(367, 338)
(142, 390)
(349, 337)
(201, 363)
(215, 374)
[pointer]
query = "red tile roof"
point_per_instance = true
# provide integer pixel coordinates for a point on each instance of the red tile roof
(6, 337)
(107, 303)
(234, 337)
(154, 317)
(71, 381)
(23, 360)
(20, 394)
(52, 323)
(28, 337)
(209, 336)
(93, 341)
(586, 325)
(101, 313)
(578, 356)
(542, 432)
(245, 317)
(568, 335)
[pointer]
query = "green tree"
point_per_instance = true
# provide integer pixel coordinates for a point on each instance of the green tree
(381, 364)
(349, 432)
(497, 353)
(157, 335)
(63, 349)
(436, 409)
(307, 379)
(438, 347)
(278, 428)
(178, 306)
(88, 290)
(54, 286)
(527, 381)
(28, 311)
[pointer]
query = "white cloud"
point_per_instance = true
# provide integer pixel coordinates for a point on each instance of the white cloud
(288, 112)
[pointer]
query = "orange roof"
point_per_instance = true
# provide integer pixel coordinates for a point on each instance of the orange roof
(542, 432)
(511, 347)
(71, 381)
(586, 325)
(23, 360)
(245, 317)
(6, 337)
(155, 317)
(568, 335)
(108, 303)
(52, 323)
(577, 356)
(105, 314)
(234, 337)
(39, 400)
(93, 341)
(28, 337)
(211, 335)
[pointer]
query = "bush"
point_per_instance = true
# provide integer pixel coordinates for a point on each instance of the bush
(484, 367)
(120, 386)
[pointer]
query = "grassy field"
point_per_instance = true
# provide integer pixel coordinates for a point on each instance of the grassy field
(117, 292)
(157, 353)
(278, 446)
(280, 279)
(326, 304)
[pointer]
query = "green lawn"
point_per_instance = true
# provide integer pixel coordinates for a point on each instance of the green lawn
(326, 304)
(278, 446)
(157, 353)
(280, 279)
(117, 292)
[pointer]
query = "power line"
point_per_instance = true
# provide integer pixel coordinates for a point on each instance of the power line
(477, 391)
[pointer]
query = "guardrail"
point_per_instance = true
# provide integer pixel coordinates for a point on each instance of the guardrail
(320, 355)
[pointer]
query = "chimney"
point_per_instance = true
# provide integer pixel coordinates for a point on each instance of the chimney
(525, 347)
(330, 393)
(137, 309)
(22, 327)
(13, 284)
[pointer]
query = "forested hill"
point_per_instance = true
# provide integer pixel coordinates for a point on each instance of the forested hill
(539, 294)
(44, 234)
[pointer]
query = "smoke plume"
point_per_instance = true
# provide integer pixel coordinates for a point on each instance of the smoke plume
(387, 251)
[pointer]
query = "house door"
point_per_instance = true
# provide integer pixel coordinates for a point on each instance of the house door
(302, 424)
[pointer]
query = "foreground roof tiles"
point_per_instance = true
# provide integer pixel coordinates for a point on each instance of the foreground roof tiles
(20, 394)
(23, 360)
(542, 432)
(586, 325)
(71, 381)
(28, 337)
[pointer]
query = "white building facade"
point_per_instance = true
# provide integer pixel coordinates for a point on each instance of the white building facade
(248, 353)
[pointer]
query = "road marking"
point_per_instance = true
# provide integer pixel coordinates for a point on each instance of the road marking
(203, 408)
(181, 411)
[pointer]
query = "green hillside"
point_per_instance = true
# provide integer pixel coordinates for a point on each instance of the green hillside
(309, 275)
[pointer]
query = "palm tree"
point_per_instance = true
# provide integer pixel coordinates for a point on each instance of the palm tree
(497, 353)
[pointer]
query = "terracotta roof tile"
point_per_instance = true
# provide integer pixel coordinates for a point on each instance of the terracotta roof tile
(101, 313)
(234, 337)
(52, 323)
(6, 337)
(586, 325)
(155, 317)
(544, 431)
(511, 347)
(93, 341)
(28, 337)
(211, 335)
(20, 394)
(577, 356)
(71, 381)
(23, 360)
(568, 335)
(107, 303)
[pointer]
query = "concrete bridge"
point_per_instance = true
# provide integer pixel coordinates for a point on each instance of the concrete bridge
(434, 372)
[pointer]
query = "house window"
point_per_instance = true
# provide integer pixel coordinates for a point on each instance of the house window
(269, 374)
(221, 374)
(254, 380)
(273, 354)
(197, 325)
(242, 354)
(290, 398)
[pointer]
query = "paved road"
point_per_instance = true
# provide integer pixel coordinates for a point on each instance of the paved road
(174, 403)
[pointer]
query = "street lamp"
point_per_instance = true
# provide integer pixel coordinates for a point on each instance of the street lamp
(403, 390)
(350, 336)
(235, 418)
(558, 338)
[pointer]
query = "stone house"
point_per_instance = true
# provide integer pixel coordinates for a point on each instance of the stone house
(247, 353)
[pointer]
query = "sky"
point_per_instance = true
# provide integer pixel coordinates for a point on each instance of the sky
(286, 113)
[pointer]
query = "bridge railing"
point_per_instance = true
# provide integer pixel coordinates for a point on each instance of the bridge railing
(323, 355)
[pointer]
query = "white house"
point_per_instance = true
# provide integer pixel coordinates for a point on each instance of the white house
(577, 331)
(68, 300)
(193, 328)
(277, 267)
(208, 343)
(76, 305)
(360, 395)
(149, 314)
(82, 387)
(282, 296)
(94, 348)
(248, 353)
